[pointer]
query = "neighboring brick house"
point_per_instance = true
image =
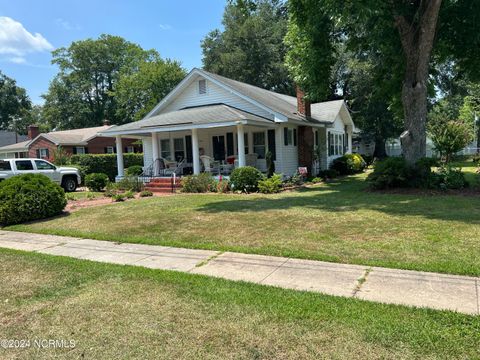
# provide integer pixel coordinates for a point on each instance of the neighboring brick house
(76, 141)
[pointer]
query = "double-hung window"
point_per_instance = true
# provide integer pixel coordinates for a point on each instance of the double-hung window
(165, 149)
(259, 144)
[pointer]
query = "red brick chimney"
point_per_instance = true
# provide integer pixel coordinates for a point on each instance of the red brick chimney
(33, 131)
(303, 106)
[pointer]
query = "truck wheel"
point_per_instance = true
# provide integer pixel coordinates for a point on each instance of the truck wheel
(69, 184)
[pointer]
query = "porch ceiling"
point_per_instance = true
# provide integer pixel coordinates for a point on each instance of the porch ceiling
(194, 117)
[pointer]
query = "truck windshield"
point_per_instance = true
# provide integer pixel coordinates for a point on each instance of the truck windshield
(5, 165)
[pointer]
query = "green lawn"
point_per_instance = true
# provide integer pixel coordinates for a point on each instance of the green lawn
(340, 221)
(120, 312)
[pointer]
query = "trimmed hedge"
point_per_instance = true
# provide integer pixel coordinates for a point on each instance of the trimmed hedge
(29, 197)
(105, 163)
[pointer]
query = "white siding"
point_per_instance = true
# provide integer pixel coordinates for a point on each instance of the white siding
(215, 95)
(147, 152)
(289, 155)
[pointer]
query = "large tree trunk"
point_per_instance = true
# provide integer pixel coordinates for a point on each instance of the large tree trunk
(417, 41)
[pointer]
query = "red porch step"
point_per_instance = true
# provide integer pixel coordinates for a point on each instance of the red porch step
(163, 185)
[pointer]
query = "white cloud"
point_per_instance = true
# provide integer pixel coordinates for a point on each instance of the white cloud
(16, 41)
(17, 60)
(66, 24)
(165, 26)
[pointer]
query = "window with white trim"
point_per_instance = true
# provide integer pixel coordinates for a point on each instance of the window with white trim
(259, 144)
(202, 86)
(336, 144)
(79, 150)
(43, 153)
(130, 149)
(109, 150)
(165, 149)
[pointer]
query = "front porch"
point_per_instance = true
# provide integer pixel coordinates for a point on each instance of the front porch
(216, 150)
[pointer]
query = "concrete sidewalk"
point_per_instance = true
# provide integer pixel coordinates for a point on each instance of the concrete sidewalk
(414, 288)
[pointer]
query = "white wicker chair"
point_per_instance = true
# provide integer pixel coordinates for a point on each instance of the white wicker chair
(210, 165)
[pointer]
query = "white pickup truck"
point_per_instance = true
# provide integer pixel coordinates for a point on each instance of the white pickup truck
(69, 178)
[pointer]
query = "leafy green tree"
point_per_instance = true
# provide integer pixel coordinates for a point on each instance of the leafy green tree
(408, 36)
(14, 106)
(83, 92)
(137, 93)
(376, 113)
(470, 110)
(251, 47)
(449, 136)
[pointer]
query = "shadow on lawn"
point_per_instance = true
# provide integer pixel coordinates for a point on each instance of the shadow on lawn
(350, 195)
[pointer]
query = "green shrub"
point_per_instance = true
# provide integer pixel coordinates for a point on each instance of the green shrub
(146, 193)
(450, 178)
(111, 189)
(118, 197)
(294, 180)
(200, 183)
(130, 183)
(135, 170)
(29, 197)
(315, 180)
(390, 173)
(349, 164)
(105, 163)
(129, 195)
(96, 181)
(328, 174)
(245, 179)
(270, 185)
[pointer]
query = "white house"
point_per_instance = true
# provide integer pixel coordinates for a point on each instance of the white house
(210, 119)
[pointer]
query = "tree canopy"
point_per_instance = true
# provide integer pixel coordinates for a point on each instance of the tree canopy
(84, 92)
(14, 105)
(251, 47)
(410, 38)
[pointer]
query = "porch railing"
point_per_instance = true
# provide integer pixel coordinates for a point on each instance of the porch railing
(157, 169)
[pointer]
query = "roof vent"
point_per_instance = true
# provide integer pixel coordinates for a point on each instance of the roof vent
(106, 122)
(202, 86)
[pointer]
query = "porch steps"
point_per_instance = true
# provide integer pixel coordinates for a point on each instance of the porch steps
(162, 185)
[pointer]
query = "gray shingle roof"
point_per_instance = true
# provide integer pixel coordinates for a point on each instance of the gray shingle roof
(323, 112)
(75, 136)
(208, 114)
(21, 146)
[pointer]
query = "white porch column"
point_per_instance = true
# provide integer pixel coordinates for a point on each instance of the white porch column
(241, 145)
(155, 153)
(350, 140)
(195, 152)
(120, 167)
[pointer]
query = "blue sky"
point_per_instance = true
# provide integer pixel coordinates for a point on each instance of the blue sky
(29, 30)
